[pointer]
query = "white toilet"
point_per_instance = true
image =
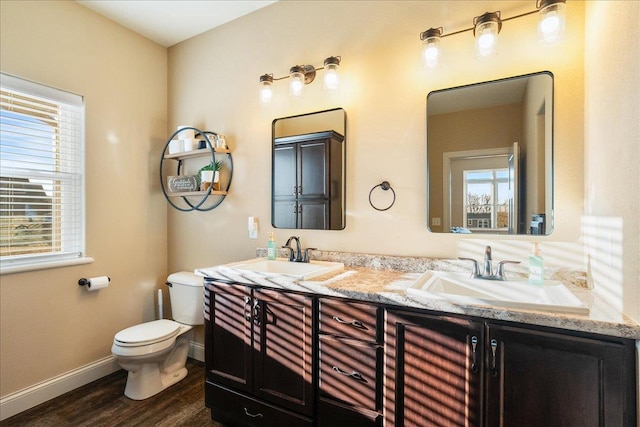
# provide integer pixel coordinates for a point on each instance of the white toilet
(155, 353)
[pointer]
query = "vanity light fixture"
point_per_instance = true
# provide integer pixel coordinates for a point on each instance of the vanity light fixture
(485, 30)
(487, 26)
(301, 75)
(431, 47)
(552, 20)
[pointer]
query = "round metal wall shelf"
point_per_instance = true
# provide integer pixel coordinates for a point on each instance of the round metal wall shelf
(195, 200)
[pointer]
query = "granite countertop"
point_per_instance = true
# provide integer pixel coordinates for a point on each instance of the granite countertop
(385, 279)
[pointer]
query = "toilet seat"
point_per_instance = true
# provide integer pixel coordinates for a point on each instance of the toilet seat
(147, 333)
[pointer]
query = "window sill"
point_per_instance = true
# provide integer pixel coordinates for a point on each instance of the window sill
(44, 265)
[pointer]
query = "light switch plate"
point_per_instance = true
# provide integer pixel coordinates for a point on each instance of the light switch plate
(253, 227)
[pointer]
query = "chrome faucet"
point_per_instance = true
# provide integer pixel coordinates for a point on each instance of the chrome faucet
(488, 273)
(299, 255)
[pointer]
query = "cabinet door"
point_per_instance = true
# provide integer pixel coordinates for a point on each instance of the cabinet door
(285, 213)
(285, 163)
(433, 371)
(228, 350)
(549, 379)
(282, 340)
(313, 214)
(313, 169)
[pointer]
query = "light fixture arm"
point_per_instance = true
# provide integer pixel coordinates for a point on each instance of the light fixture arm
(308, 70)
(540, 4)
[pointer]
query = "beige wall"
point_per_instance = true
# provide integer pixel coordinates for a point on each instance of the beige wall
(48, 324)
(213, 83)
(612, 145)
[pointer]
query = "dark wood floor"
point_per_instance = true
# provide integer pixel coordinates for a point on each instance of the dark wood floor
(103, 403)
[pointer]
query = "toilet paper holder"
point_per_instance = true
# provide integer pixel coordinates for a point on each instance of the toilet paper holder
(86, 282)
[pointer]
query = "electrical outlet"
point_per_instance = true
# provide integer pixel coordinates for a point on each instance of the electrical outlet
(435, 221)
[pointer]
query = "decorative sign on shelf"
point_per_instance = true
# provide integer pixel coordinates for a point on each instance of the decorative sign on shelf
(182, 183)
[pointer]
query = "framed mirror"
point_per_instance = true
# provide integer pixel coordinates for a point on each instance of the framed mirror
(308, 171)
(490, 157)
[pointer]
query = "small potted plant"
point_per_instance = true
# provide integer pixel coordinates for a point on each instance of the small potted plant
(210, 175)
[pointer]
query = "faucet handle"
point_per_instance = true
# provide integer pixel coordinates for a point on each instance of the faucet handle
(305, 254)
(475, 269)
(500, 272)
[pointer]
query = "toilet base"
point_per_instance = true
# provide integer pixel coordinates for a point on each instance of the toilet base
(150, 378)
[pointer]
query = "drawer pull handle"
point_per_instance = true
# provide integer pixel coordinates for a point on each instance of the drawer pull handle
(249, 414)
(356, 323)
(354, 374)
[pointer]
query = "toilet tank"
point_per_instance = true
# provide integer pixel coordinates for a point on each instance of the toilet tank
(185, 294)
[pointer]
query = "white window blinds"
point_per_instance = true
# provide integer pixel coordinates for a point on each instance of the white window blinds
(41, 174)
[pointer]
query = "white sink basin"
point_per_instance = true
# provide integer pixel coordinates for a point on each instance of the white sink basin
(283, 267)
(458, 287)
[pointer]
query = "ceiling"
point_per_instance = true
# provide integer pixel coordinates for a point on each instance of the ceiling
(168, 22)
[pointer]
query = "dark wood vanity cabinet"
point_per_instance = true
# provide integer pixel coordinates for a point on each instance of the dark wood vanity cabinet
(454, 372)
(350, 362)
(258, 356)
(307, 181)
(433, 372)
(281, 358)
(558, 379)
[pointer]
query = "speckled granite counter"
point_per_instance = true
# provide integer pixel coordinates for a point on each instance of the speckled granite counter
(385, 279)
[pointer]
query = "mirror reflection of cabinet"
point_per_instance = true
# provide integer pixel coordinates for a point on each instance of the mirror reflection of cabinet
(308, 177)
(306, 172)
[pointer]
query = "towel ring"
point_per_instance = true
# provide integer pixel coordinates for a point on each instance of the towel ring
(385, 186)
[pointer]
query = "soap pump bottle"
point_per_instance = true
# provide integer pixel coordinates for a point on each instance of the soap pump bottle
(536, 266)
(271, 247)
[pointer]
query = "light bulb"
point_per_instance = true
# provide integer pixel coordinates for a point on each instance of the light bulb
(266, 91)
(297, 81)
(486, 29)
(552, 21)
(331, 76)
(266, 94)
(431, 47)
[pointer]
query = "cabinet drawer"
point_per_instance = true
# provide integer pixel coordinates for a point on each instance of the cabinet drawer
(349, 372)
(232, 408)
(332, 414)
(349, 319)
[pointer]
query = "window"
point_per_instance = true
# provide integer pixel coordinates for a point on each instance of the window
(41, 175)
(486, 198)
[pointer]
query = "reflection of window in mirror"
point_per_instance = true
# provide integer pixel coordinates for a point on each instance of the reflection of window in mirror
(486, 199)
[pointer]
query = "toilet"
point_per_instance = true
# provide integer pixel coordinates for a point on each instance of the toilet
(155, 353)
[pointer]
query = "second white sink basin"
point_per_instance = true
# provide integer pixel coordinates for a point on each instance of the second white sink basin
(459, 287)
(282, 266)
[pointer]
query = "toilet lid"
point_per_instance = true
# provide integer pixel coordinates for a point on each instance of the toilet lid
(148, 333)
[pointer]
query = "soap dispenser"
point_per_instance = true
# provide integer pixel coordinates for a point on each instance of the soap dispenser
(271, 247)
(536, 266)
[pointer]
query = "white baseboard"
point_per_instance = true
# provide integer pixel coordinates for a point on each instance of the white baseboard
(29, 397)
(196, 351)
